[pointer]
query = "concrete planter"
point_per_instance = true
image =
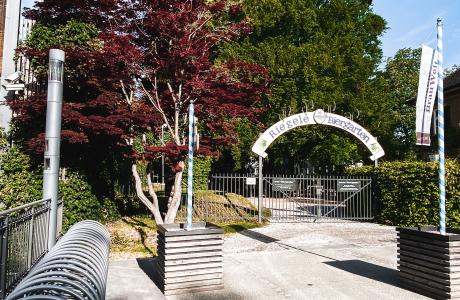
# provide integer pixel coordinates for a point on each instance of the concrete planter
(190, 260)
(428, 262)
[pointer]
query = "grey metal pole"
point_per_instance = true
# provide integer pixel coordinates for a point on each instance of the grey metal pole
(376, 161)
(261, 185)
(53, 138)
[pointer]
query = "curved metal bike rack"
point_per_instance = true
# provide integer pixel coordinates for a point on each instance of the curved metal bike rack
(75, 268)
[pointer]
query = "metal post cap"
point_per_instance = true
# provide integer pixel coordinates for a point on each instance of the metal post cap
(57, 54)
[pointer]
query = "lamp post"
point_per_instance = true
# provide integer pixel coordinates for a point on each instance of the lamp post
(53, 138)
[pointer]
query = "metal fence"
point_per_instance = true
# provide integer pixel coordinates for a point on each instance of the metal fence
(23, 240)
(285, 198)
(318, 198)
(223, 198)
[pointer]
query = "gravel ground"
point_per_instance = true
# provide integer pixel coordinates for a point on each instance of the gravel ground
(289, 261)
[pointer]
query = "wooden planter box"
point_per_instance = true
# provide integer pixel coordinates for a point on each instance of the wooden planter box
(190, 261)
(428, 262)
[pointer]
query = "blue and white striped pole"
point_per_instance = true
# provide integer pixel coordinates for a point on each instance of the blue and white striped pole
(191, 141)
(442, 172)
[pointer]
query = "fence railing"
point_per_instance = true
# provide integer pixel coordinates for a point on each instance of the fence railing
(285, 198)
(23, 240)
(293, 198)
(222, 198)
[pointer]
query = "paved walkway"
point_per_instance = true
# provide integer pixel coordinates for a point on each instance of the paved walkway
(288, 261)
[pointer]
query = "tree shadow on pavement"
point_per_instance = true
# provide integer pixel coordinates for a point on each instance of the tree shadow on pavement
(258, 236)
(268, 239)
(367, 270)
(358, 267)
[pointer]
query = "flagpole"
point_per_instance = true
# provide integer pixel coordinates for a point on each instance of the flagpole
(191, 140)
(442, 175)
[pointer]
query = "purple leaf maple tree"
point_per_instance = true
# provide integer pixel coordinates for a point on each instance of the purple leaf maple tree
(148, 62)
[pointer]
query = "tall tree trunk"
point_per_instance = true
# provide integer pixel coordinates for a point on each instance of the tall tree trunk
(152, 192)
(176, 196)
(152, 207)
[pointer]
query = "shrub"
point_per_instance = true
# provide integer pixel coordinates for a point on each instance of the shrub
(18, 184)
(201, 170)
(80, 203)
(408, 192)
(110, 210)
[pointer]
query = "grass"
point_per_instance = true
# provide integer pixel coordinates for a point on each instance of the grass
(228, 207)
(135, 236)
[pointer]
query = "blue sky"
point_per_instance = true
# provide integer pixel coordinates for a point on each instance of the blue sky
(413, 22)
(28, 3)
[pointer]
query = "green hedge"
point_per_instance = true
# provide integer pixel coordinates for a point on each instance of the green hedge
(201, 170)
(18, 183)
(80, 203)
(21, 184)
(408, 192)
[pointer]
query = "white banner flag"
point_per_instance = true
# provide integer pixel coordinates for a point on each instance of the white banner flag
(427, 86)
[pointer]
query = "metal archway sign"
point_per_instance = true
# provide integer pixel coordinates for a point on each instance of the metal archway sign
(322, 118)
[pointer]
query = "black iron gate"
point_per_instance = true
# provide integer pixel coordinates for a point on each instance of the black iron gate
(318, 198)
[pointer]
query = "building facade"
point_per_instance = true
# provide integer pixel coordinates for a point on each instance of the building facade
(10, 21)
(452, 113)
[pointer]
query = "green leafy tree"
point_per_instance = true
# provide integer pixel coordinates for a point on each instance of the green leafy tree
(73, 33)
(320, 54)
(240, 152)
(391, 116)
